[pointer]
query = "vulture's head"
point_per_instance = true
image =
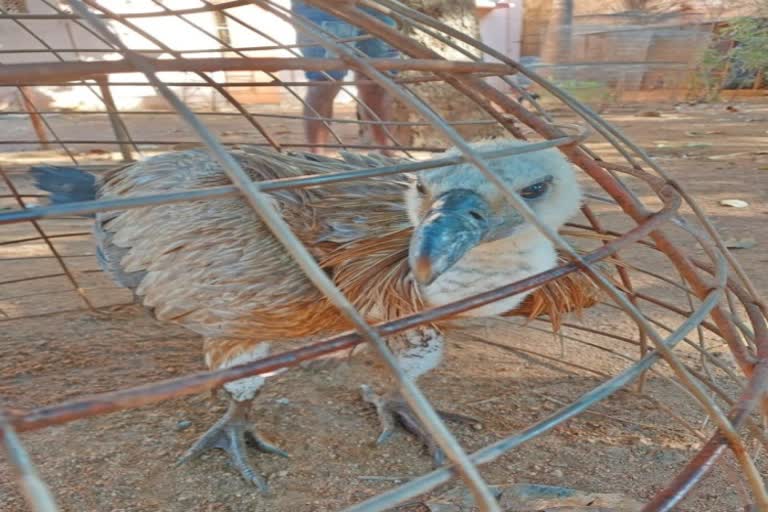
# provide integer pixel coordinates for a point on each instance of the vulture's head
(456, 209)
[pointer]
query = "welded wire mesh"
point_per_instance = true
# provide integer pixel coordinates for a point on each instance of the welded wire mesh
(81, 82)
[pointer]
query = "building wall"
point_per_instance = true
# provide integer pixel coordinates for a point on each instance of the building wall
(652, 48)
(602, 32)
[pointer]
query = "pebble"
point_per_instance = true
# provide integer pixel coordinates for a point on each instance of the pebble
(183, 424)
(557, 473)
(282, 401)
(740, 243)
(734, 203)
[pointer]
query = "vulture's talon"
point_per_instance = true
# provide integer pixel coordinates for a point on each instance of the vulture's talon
(392, 411)
(232, 433)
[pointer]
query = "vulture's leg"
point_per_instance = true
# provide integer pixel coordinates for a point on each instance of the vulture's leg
(233, 431)
(418, 351)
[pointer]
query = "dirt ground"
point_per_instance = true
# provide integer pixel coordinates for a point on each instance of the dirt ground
(125, 461)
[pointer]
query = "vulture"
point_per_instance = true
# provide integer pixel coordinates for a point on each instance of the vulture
(393, 245)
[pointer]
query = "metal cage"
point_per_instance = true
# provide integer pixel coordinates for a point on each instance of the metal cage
(694, 303)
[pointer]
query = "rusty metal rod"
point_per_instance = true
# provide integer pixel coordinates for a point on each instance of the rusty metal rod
(118, 126)
(34, 117)
(42, 72)
(32, 486)
(261, 204)
(266, 186)
(151, 393)
(629, 202)
(437, 477)
(62, 15)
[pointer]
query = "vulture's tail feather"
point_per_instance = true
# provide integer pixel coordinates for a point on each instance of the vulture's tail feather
(65, 184)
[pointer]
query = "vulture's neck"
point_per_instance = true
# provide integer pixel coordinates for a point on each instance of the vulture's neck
(489, 266)
(375, 275)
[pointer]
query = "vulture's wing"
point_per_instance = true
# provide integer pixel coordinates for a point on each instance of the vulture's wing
(213, 266)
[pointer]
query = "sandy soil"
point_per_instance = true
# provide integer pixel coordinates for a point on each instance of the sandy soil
(125, 461)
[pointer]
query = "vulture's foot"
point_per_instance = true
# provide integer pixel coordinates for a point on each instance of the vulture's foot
(231, 433)
(393, 410)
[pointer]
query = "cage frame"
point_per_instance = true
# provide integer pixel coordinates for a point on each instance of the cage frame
(710, 289)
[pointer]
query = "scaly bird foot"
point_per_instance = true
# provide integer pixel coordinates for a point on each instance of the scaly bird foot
(232, 433)
(394, 410)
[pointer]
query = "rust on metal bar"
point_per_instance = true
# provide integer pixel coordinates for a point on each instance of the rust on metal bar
(748, 343)
(63, 15)
(152, 393)
(207, 79)
(118, 126)
(757, 389)
(33, 488)
(44, 72)
(629, 203)
(34, 117)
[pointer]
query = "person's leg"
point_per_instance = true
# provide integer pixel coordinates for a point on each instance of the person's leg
(321, 95)
(379, 101)
(374, 96)
(319, 103)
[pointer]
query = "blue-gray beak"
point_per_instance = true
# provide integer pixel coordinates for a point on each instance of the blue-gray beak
(457, 222)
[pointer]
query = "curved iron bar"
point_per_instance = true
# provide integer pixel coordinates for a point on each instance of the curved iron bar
(431, 480)
(756, 391)
(255, 114)
(143, 395)
(210, 81)
(83, 83)
(759, 354)
(157, 51)
(62, 15)
(192, 144)
(85, 207)
(261, 204)
(263, 83)
(352, 15)
(358, 102)
(43, 72)
(32, 486)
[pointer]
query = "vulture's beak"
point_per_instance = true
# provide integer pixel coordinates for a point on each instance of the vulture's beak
(457, 221)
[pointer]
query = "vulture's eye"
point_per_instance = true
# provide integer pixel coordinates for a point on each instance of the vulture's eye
(535, 190)
(420, 188)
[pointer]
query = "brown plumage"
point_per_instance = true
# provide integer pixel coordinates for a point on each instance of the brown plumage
(213, 266)
(368, 261)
